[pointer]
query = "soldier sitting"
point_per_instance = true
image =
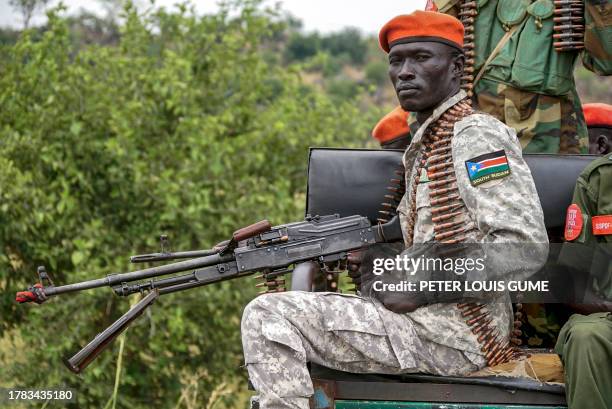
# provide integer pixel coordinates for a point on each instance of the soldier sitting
(585, 341)
(466, 182)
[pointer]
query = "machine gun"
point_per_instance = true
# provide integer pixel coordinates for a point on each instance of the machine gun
(259, 247)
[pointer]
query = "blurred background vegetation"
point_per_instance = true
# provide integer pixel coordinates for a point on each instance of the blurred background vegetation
(117, 128)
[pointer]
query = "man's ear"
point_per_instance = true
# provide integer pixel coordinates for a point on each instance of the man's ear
(458, 63)
(603, 145)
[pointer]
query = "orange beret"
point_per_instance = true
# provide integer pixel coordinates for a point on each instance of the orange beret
(422, 26)
(597, 114)
(392, 126)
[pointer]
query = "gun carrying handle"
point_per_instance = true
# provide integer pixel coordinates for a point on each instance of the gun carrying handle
(250, 231)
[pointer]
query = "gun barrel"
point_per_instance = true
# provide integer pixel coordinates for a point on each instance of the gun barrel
(115, 279)
(85, 356)
(70, 288)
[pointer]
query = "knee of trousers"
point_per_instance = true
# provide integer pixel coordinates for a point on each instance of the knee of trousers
(587, 335)
(251, 316)
(266, 334)
(271, 306)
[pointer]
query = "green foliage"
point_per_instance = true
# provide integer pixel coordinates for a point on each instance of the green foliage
(180, 127)
(347, 41)
(8, 36)
(324, 63)
(377, 72)
(302, 46)
(348, 44)
(342, 88)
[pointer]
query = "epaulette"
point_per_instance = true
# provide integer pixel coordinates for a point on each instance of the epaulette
(597, 163)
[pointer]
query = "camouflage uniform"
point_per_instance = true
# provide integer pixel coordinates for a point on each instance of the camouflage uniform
(543, 123)
(529, 86)
(281, 332)
(585, 341)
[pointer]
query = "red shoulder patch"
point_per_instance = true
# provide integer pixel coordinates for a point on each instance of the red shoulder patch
(573, 222)
(602, 225)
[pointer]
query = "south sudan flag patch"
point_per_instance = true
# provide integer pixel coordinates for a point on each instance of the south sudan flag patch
(487, 167)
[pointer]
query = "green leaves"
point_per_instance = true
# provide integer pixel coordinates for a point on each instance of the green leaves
(75, 128)
(77, 257)
(181, 128)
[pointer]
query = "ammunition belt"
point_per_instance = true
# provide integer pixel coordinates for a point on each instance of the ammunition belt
(569, 35)
(272, 281)
(467, 14)
(450, 223)
(568, 29)
(396, 190)
(495, 349)
(447, 207)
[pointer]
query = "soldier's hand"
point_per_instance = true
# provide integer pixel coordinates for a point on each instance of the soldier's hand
(399, 302)
(220, 246)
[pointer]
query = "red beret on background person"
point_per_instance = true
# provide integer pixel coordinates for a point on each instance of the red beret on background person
(392, 131)
(598, 114)
(598, 118)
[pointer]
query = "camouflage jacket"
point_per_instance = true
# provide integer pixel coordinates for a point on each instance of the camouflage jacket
(589, 222)
(529, 86)
(505, 210)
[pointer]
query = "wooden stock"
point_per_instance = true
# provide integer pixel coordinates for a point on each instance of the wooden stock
(252, 230)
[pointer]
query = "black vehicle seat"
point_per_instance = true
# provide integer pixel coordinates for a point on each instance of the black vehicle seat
(354, 181)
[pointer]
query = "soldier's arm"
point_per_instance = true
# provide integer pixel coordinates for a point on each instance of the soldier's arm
(505, 209)
(597, 55)
(586, 309)
(502, 201)
(586, 254)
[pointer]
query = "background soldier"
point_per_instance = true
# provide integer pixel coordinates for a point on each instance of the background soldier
(392, 131)
(525, 53)
(599, 121)
(585, 341)
(394, 333)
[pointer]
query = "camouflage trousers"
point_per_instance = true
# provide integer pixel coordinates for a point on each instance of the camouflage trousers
(282, 332)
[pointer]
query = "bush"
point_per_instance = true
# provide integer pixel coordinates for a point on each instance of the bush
(302, 46)
(377, 73)
(347, 41)
(181, 128)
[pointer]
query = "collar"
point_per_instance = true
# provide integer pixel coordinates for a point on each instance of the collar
(437, 113)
